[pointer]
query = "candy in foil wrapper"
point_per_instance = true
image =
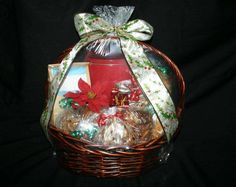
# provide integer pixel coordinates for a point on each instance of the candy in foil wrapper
(106, 114)
(137, 117)
(67, 120)
(86, 130)
(114, 126)
(79, 123)
(142, 123)
(124, 92)
(116, 133)
(87, 126)
(124, 86)
(114, 130)
(124, 127)
(119, 99)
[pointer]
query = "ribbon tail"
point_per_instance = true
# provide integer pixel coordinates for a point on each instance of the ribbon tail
(151, 85)
(58, 79)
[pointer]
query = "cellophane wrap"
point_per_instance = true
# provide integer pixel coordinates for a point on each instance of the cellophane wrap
(111, 89)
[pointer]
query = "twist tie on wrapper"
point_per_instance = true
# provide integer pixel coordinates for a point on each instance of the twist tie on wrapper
(113, 20)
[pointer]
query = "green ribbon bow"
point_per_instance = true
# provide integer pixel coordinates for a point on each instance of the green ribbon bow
(92, 27)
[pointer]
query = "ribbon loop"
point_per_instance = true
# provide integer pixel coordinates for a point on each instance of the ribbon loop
(139, 29)
(86, 24)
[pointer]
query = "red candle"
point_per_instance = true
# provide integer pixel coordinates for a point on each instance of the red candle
(108, 71)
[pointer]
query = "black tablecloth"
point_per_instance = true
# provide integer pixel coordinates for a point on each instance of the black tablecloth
(200, 36)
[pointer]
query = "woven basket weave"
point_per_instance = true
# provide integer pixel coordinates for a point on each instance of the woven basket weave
(84, 157)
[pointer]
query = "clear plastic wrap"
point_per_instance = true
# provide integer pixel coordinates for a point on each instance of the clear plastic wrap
(100, 99)
(114, 15)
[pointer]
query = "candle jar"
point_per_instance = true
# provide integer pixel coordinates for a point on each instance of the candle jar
(107, 64)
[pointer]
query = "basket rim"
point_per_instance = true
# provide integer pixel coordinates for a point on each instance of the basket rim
(149, 145)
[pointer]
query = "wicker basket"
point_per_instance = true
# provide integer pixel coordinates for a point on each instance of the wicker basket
(80, 156)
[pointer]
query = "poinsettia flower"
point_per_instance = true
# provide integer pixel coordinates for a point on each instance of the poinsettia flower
(93, 97)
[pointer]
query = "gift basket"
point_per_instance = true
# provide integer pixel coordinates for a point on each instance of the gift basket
(114, 102)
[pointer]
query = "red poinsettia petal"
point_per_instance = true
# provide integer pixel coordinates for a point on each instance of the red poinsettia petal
(93, 106)
(71, 95)
(97, 88)
(83, 86)
(81, 100)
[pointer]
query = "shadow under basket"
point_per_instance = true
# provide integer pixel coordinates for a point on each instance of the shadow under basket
(83, 157)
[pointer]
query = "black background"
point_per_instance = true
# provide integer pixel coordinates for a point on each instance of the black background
(200, 36)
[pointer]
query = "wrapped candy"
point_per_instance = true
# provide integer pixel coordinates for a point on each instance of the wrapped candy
(79, 123)
(67, 120)
(118, 98)
(127, 92)
(141, 122)
(124, 127)
(113, 126)
(85, 129)
(87, 126)
(106, 114)
(114, 130)
(120, 94)
(116, 133)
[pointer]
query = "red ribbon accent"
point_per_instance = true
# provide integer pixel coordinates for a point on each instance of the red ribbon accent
(104, 117)
(134, 95)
